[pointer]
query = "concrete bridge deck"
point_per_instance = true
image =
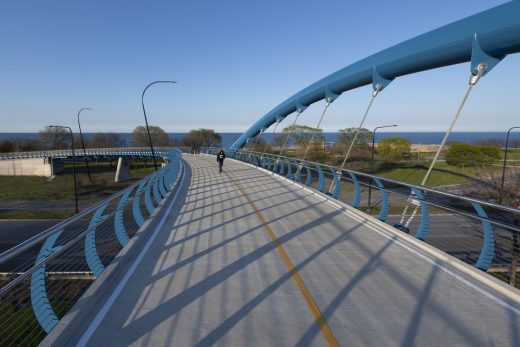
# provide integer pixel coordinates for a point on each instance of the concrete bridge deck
(243, 258)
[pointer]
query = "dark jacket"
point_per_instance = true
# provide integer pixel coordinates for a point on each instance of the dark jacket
(221, 156)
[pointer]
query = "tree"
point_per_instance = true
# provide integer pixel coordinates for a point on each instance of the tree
(302, 134)
(361, 150)
(140, 137)
(260, 146)
(463, 155)
(394, 148)
(346, 135)
(54, 138)
(489, 155)
(279, 139)
(7, 146)
(27, 145)
(202, 138)
(176, 142)
(106, 140)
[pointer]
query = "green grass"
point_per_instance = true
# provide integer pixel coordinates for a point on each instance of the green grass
(61, 187)
(504, 276)
(443, 174)
(20, 327)
(512, 154)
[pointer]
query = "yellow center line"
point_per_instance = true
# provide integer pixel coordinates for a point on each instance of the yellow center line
(311, 303)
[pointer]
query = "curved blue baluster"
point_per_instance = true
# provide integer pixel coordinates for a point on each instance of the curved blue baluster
(166, 179)
(356, 200)
(269, 163)
(168, 175)
(119, 225)
(385, 206)
(298, 175)
(321, 179)
(289, 168)
(308, 180)
(263, 161)
(282, 168)
(422, 233)
(40, 302)
(147, 194)
(136, 208)
(275, 164)
(488, 244)
(91, 254)
(337, 186)
(155, 188)
(162, 185)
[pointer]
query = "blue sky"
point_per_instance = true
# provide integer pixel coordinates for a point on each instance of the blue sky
(233, 60)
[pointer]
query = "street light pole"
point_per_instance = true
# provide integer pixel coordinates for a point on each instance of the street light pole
(372, 158)
(146, 120)
(83, 143)
(504, 166)
(73, 162)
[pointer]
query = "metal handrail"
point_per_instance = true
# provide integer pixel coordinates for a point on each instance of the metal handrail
(92, 151)
(426, 189)
(406, 195)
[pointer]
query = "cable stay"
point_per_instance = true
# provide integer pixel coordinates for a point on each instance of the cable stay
(298, 113)
(474, 78)
(328, 101)
(278, 121)
(258, 137)
(378, 87)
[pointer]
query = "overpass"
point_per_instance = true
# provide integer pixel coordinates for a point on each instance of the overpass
(249, 257)
(278, 250)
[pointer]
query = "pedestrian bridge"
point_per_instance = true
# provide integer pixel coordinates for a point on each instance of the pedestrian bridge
(248, 257)
(282, 251)
(245, 258)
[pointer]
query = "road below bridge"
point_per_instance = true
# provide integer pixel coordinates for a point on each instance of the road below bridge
(243, 258)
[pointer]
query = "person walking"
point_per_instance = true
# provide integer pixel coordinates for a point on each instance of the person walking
(220, 158)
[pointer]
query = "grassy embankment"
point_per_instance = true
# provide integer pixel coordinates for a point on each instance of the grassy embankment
(61, 189)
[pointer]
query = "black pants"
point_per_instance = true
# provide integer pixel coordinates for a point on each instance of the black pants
(220, 164)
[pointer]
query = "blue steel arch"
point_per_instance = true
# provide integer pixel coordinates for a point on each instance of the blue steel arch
(484, 37)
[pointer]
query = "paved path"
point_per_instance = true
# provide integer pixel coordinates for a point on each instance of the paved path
(248, 260)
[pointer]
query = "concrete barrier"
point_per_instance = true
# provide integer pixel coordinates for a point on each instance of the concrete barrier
(46, 167)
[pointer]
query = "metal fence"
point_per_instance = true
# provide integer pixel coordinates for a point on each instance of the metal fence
(480, 233)
(42, 278)
(137, 152)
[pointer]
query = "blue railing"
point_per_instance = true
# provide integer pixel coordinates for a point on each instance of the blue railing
(129, 152)
(42, 278)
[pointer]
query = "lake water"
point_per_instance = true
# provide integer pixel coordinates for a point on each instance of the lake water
(413, 137)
